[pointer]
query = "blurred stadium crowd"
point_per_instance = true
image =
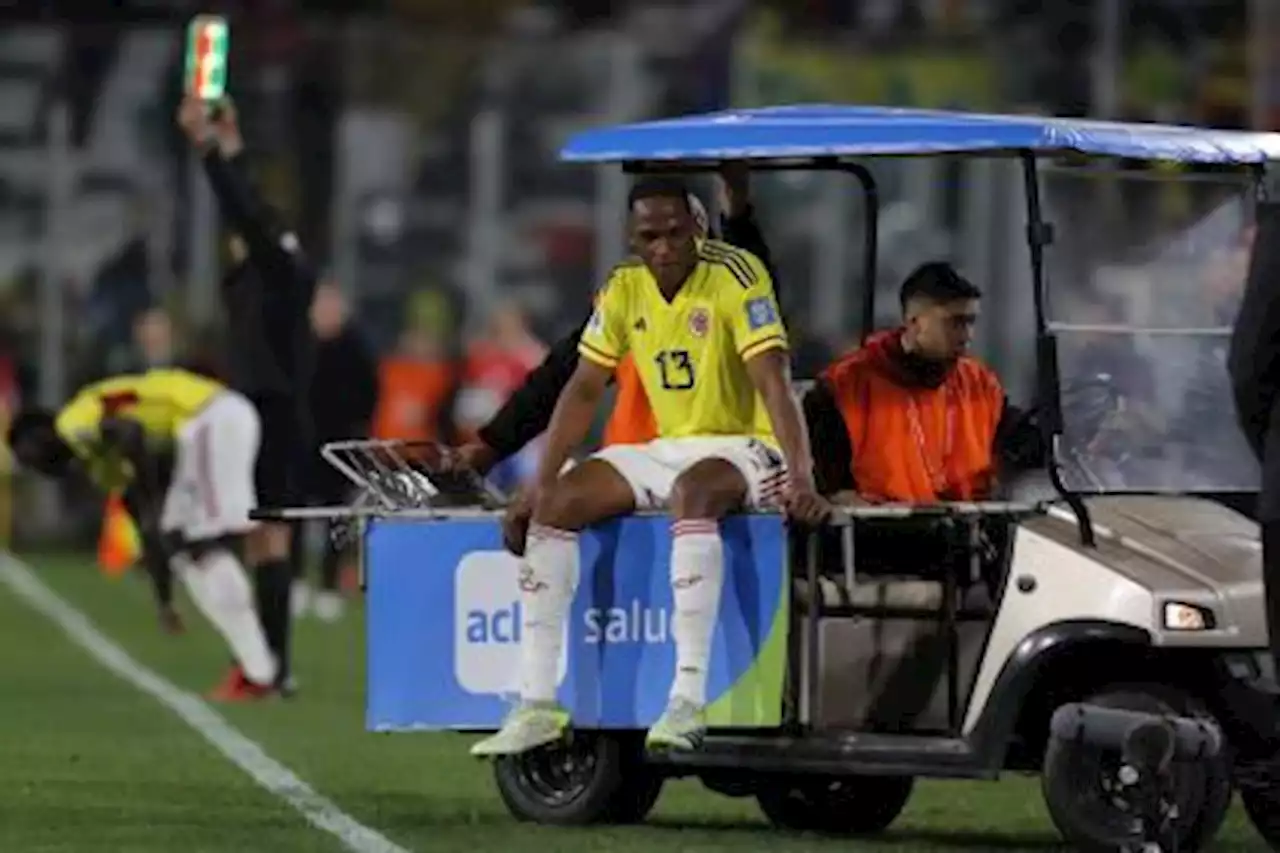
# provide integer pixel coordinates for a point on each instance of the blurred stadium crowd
(412, 144)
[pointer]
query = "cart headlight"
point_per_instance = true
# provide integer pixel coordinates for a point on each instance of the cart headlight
(1179, 616)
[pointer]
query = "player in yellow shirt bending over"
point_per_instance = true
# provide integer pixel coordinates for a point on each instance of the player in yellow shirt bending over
(702, 323)
(114, 430)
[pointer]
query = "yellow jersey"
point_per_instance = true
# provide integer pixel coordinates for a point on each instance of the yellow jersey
(160, 400)
(692, 352)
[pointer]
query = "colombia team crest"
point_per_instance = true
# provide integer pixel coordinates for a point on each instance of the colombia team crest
(699, 322)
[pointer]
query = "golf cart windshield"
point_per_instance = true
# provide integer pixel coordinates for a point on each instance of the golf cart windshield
(1144, 278)
(1129, 282)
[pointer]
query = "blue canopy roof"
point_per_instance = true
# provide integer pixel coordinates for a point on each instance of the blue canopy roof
(802, 131)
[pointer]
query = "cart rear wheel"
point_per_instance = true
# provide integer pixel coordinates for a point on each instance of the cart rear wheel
(1091, 816)
(1260, 793)
(636, 797)
(837, 805)
(593, 777)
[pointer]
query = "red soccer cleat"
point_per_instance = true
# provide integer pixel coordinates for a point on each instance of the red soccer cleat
(237, 688)
(230, 682)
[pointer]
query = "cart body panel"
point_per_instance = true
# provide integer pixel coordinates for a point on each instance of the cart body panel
(444, 625)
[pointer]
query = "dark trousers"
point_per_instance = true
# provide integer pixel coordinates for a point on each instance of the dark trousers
(330, 559)
(325, 487)
(1269, 519)
(1271, 585)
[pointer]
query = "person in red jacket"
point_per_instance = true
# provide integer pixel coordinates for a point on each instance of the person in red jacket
(911, 416)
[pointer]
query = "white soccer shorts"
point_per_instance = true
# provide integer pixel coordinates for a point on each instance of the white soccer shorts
(651, 469)
(212, 492)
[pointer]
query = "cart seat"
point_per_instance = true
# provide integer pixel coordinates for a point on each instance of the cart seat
(886, 594)
(890, 592)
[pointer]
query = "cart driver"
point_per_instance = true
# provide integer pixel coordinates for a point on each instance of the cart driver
(911, 417)
(702, 322)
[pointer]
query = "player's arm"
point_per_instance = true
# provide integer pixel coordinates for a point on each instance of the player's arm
(290, 282)
(79, 425)
(527, 412)
(601, 346)
(738, 225)
(770, 372)
(761, 341)
(141, 505)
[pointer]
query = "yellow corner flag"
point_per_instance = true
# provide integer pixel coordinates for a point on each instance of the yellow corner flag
(119, 544)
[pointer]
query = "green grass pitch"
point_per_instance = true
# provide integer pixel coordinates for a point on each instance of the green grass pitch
(88, 763)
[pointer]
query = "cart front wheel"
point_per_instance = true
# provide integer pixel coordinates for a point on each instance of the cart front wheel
(591, 778)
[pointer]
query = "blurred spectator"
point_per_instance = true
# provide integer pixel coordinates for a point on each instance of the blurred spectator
(495, 366)
(416, 384)
(344, 392)
(810, 354)
(119, 290)
(11, 395)
(344, 386)
(206, 354)
(153, 339)
(150, 344)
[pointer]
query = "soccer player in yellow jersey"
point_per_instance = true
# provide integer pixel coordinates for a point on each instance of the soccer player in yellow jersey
(702, 323)
(114, 429)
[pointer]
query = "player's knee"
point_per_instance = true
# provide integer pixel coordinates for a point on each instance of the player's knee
(566, 506)
(590, 492)
(712, 488)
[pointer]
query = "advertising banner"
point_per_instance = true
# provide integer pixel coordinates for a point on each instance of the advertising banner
(444, 625)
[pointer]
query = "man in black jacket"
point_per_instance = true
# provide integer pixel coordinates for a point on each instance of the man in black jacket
(267, 296)
(344, 391)
(1253, 361)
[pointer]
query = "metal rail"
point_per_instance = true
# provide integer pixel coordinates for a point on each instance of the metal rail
(840, 517)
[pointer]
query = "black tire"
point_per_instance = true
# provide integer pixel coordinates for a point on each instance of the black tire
(835, 805)
(636, 797)
(1261, 797)
(594, 777)
(1077, 803)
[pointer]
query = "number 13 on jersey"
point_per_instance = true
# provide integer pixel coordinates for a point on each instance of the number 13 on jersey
(675, 369)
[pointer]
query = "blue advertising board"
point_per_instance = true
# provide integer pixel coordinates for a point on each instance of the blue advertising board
(444, 625)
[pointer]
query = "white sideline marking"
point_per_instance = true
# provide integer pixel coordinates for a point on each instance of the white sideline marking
(246, 754)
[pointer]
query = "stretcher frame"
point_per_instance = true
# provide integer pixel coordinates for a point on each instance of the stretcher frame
(393, 481)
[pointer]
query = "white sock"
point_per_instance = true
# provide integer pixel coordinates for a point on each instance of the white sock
(548, 581)
(220, 589)
(697, 576)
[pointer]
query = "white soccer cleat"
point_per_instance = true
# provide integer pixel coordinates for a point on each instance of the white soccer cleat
(299, 599)
(327, 606)
(682, 726)
(527, 727)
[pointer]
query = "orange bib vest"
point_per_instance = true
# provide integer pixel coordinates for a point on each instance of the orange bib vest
(631, 421)
(917, 445)
(410, 394)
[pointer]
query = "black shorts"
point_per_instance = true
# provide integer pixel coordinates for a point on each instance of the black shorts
(283, 455)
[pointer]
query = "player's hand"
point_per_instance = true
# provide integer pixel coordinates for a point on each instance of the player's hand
(515, 522)
(226, 128)
(476, 456)
(171, 621)
(804, 504)
(734, 187)
(193, 118)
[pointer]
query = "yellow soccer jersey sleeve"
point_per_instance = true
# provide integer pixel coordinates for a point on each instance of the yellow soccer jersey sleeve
(604, 338)
(755, 319)
(79, 423)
